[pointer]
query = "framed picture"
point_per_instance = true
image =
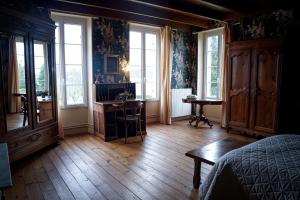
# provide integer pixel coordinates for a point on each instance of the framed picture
(111, 64)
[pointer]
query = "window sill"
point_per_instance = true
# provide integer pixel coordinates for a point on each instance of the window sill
(152, 100)
(74, 107)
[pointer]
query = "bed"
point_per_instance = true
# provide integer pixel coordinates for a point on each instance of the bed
(266, 169)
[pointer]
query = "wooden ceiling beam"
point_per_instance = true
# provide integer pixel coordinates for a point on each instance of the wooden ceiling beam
(184, 7)
(129, 11)
(98, 12)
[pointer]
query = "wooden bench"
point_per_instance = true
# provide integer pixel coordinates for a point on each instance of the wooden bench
(210, 154)
(5, 176)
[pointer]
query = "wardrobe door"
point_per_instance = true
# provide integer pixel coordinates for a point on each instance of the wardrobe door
(239, 87)
(266, 63)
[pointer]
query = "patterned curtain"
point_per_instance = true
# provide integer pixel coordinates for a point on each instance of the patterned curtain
(226, 41)
(165, 84)
(13, 78)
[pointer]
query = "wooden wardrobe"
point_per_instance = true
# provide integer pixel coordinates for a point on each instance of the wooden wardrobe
(28, 117)
(255, 100)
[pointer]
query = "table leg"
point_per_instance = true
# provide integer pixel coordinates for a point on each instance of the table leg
(205, 119)
(197, 173)
(193, 119)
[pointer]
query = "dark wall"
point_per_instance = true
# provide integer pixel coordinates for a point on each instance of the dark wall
(109, 37)
(184, 60)
(274, 24)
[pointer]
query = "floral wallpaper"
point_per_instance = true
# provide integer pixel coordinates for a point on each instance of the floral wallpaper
(109, 37)
(184, 60)
(274, 24)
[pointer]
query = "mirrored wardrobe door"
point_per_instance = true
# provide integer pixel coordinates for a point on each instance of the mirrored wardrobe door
(43, 87)
(14, 81)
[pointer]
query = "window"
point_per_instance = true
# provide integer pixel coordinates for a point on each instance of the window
(144, 60)
(21, 64)
(212, 64)
(40, 61)
(70, 50)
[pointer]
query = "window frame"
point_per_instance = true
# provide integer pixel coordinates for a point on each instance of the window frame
(144, 29)
(216, 32)
(62, 20)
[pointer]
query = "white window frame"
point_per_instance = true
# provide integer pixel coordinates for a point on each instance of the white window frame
(144, 29)
(61, 20)
(206, 34)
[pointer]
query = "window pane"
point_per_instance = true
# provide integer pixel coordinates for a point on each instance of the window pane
(135, 74)
(57, 33)
(73, 54)
(21, 64)
(74, 74)
(138, 90)
(57, 53)
(150, 90)
(212, 58)
(20, 47)
(212, 90)
(214, 76)
(150, 74)
(150, 58)
(135, 57)
(135, 39)
(212, 67)
(212, 43)
(38, 49)
(73, 34)
(74, 94)
(150, 41)
(39, 63)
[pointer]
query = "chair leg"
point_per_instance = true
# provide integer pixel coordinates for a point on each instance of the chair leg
(24, 119)
(140, 124)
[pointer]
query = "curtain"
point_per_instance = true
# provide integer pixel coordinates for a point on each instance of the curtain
(165, 84)
(226, 41)
(59, 86)
(14, 102)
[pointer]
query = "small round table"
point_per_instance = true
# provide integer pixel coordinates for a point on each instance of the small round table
(201, 103)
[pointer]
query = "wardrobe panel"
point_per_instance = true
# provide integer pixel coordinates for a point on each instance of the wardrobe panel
(239, 83)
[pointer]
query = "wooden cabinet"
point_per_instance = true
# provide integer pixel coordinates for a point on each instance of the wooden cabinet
(253, 86)
(27, 70)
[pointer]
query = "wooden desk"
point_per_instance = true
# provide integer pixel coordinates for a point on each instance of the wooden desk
(105, 124)
(201, 103)
(210, 154)
(5, 176)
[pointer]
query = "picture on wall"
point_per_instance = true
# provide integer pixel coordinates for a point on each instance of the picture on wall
(111, 64)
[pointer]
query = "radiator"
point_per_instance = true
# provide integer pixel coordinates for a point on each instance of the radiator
(180, 109)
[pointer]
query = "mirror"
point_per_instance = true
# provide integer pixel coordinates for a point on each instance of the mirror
(44, 104)
(14, 81)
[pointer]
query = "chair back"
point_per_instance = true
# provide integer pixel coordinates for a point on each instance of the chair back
(132, 108)
(24, 108)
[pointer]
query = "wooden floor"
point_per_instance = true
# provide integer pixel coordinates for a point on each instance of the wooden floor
(85, 167)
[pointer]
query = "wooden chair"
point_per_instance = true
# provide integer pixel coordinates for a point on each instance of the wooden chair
(24, 108)
(131, 113)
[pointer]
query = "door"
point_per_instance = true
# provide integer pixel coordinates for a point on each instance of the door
(266, 63)
(239, 87)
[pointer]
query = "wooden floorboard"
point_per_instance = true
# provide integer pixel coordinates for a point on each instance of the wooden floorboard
(86, 167)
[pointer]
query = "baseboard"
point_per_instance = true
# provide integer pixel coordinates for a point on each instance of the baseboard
(174, 119)
(152, 119)
(91, 128)
(76, 129)
(213, 119)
